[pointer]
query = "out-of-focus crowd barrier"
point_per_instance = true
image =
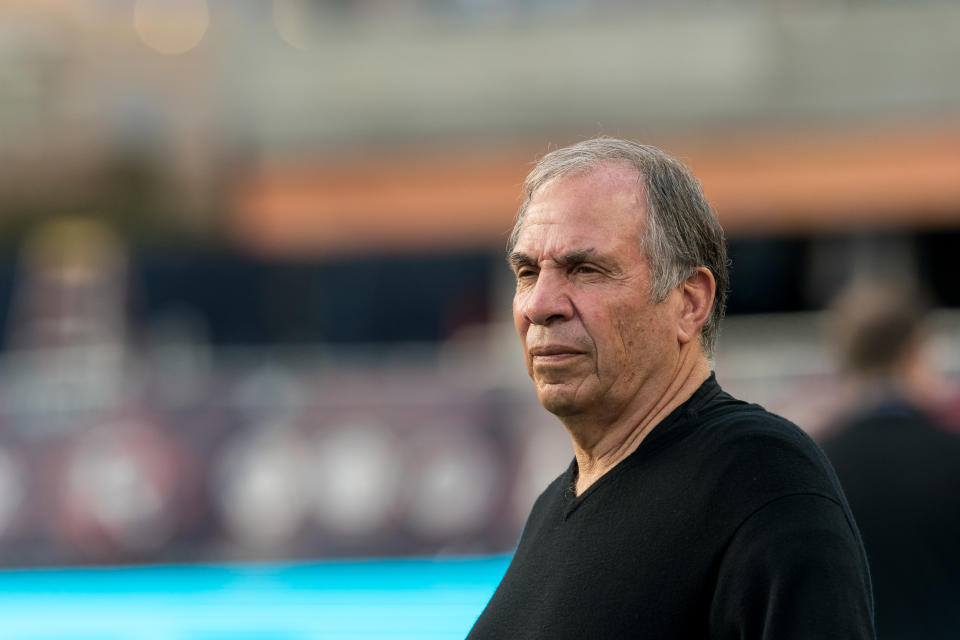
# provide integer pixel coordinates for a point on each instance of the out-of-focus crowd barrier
(186, 453)
(261, 460)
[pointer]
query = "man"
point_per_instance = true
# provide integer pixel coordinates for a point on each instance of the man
(899, 468)
(685, 513)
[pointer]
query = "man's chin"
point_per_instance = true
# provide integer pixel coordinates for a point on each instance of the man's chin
(560, 402)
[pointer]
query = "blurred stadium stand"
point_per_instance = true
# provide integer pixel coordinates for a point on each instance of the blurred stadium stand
(251, 282)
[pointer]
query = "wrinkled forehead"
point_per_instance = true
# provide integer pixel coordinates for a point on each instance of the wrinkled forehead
(600, 208)
(612, 193)
(541, 179)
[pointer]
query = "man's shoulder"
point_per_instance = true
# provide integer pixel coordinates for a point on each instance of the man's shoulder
(717, 413)
(758, 455)
(728, 421)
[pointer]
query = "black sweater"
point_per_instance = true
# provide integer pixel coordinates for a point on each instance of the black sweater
(726, 522)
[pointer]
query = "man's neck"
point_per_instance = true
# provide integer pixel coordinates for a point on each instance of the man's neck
(601, 445)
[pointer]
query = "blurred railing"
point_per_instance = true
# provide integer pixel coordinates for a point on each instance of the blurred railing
(271, 454)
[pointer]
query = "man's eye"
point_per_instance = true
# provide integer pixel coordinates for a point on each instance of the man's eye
(585, 268)
(525, 273)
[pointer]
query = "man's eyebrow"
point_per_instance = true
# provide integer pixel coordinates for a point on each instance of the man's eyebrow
(576, 257)
(519, 259)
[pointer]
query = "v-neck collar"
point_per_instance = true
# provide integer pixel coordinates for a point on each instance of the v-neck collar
(676, 426)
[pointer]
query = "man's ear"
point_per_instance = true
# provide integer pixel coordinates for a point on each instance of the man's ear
(697, 293)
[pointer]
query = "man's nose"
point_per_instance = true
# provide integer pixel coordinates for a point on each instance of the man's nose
(548, 300)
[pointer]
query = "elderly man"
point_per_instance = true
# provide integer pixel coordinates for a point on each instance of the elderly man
(685, 512)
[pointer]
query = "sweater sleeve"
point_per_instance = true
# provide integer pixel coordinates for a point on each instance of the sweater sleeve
(794, 569)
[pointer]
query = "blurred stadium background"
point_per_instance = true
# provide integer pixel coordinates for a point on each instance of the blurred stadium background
(253, 305)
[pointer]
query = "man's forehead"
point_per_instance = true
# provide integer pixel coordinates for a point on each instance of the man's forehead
(608, 176)
(605, 203)
(604, 192)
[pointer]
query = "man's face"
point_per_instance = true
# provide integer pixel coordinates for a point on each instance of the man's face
(592, 337)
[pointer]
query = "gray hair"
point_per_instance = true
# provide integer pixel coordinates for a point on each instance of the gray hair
(681, 233)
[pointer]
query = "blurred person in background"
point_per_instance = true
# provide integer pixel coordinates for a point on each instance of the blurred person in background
(900, 470)
(685, 513)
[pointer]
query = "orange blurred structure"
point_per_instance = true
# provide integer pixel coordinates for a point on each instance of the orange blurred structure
(902, 178)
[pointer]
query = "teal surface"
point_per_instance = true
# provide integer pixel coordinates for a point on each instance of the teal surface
(400, 598)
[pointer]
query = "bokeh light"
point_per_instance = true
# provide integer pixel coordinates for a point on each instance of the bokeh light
(297, 22)
(258, 488)
(171, 26)
(353, 475)
(455, 476)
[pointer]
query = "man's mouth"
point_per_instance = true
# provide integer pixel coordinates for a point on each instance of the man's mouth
(554, 353)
